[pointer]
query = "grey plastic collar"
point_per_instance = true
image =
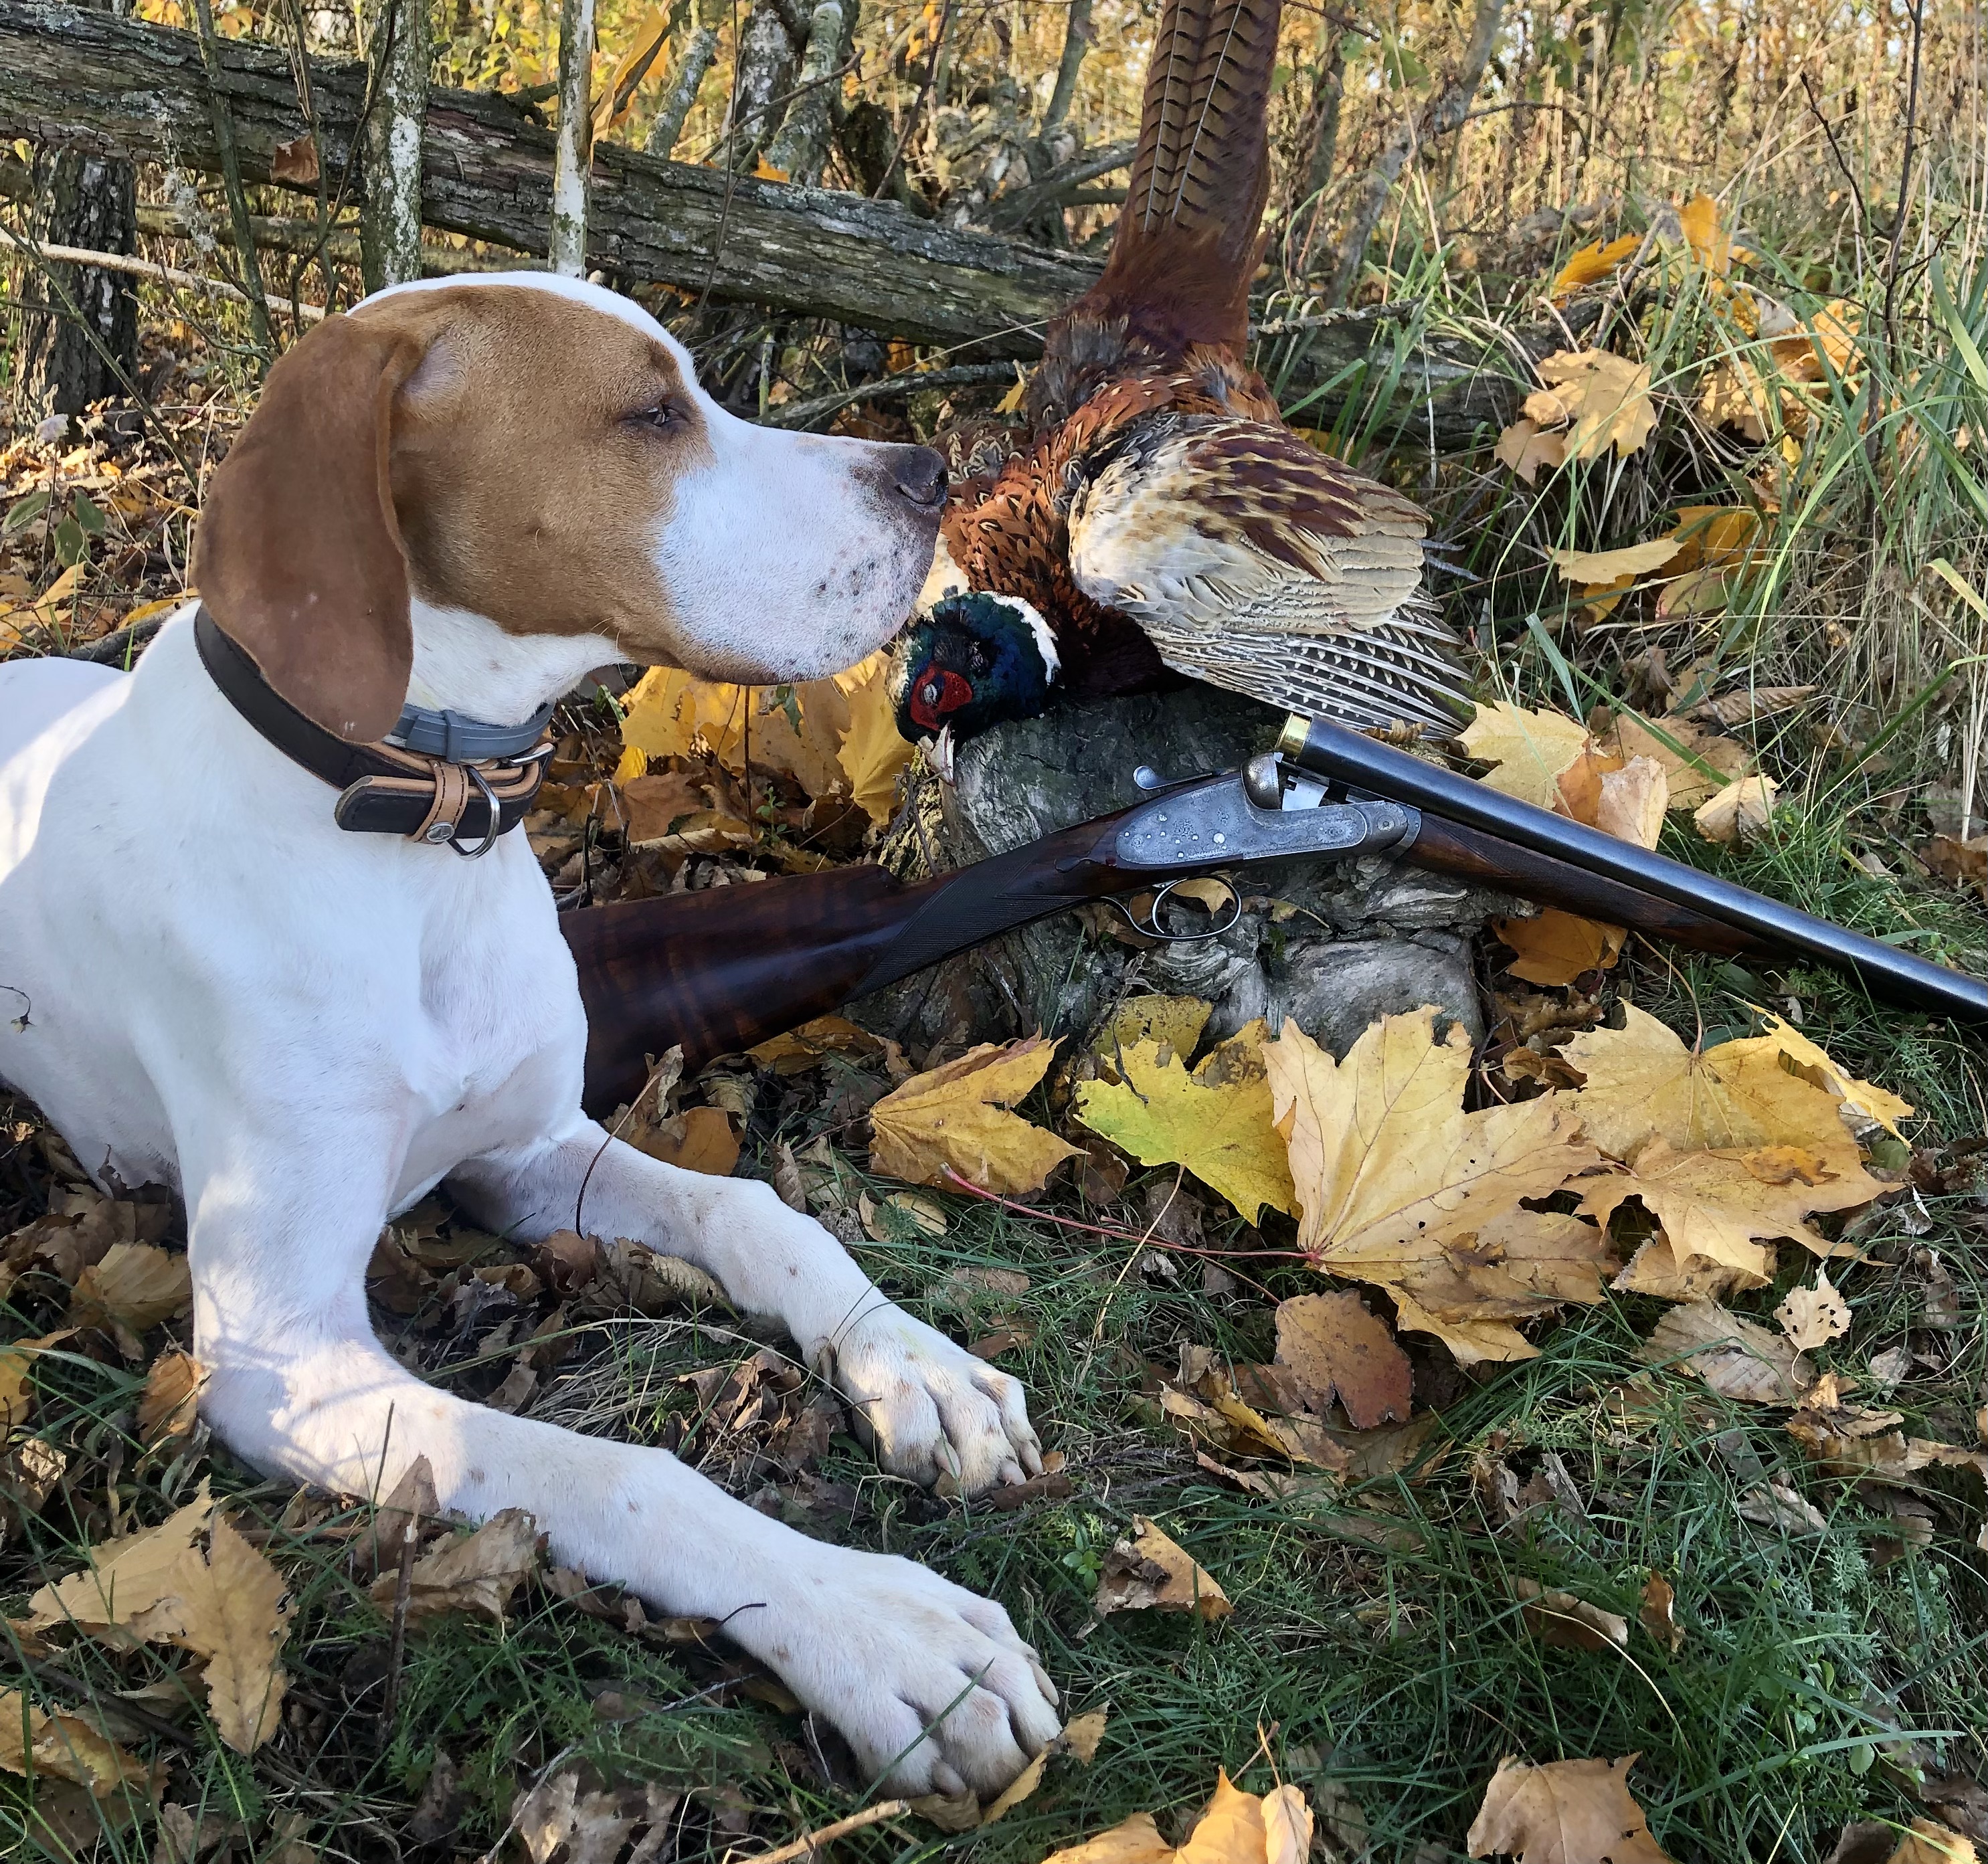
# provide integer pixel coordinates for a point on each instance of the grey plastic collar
(458, 739)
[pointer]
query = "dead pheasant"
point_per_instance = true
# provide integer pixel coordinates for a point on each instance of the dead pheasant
(1155, 513)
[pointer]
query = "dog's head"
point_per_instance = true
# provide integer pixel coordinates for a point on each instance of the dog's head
(537, 451)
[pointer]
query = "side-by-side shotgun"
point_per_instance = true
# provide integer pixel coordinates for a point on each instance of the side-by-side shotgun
(722, 969)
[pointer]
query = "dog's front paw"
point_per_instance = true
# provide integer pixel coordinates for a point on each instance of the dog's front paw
(927, 1408)
(928, 1682)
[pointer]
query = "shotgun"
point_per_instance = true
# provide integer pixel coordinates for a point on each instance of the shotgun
(720, 970)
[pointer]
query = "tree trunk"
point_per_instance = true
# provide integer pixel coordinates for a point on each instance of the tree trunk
(572, 162)
(389, 226)
(765, 74)
(1076, 42)
(92, 203)
(1442, 116)
(686, 76)
(801, 147)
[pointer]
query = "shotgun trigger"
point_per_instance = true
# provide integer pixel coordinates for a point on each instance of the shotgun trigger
(1152, 928)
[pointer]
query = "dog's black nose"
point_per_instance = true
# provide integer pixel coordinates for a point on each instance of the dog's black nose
(919, 474)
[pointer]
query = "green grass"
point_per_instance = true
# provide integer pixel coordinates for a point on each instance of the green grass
(1376, 1647)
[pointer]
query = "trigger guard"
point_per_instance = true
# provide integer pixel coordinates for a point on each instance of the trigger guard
(1155, 930)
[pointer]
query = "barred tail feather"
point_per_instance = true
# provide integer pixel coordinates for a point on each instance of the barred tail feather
(1187, 241)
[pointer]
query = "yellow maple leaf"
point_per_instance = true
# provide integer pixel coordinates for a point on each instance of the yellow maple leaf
(872, 752)
(613, 100)
(1684, 750)
(671, 714)
(1396, 1182)
(1711, 243)
(1738, 1096)
(955, 1117)
(1216, 1121)
(1529, 748)
(1591, 263)
(1563, 1812)
(1716, 1205)
(1555, 947)
(1238, 1827)
(1528, 450)
(1813, 1064)
(1606, 396)
(1605, 565)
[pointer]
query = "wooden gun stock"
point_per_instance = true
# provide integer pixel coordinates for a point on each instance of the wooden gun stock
(721, 970)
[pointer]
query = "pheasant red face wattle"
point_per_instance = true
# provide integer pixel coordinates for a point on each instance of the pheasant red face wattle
(936, 692)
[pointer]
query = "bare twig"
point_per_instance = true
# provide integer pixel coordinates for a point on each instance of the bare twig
(1076, 42)
(813, 1841)
(572, 166)
(147, 268)
(890, 388)
(918, 102)
(230, 176)
(1905, 179)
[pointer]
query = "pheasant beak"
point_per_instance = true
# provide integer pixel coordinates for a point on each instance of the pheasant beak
(938, 754)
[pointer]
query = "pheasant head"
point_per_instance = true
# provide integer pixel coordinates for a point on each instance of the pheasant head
(972, 660)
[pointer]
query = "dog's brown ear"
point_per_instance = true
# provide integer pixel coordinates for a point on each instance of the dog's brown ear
(298, 556)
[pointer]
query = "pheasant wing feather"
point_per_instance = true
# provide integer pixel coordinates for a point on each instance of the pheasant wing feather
(1255, 562)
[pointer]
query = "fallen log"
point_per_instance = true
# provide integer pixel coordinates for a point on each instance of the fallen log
(78, 79)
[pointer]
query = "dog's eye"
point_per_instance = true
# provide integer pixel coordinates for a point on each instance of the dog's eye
(660, 416)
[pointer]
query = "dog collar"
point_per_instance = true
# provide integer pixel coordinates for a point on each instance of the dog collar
(437, 777)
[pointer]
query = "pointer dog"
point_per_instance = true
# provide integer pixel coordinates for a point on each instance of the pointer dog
(464, 496)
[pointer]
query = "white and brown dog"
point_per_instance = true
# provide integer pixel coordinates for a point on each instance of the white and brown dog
(464, 496)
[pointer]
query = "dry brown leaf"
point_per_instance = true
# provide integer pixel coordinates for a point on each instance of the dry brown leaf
(135, 1286)
(1529, 749)
(1555, 947)
(956, 1117)
(700, 1138)
(1216, 1121)
(1606, 396)
(1658, 1612)
(1594, 567)
(1812, 1317)
(1740, 812)
(1560, 1618)
(1333, 1343)
(233, 1612)
(1736, 1358)
(1930, 1843)
(1563, 1812)
(1716, 1206)
(67, 1748)
(1633, 801)
(168, 1410)
(129, 1591)
(1079, 1739)
(558, 1820)
(477, 1574)
(16, 1390)
(1150, 1572)
(1629, 737)
(1655, 1269)
(1399, 1187)
(1965, 864)
(1528, 450)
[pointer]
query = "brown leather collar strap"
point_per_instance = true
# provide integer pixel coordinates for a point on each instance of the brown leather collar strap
(382, 790)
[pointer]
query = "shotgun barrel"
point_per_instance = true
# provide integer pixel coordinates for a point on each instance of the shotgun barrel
(1448, 802)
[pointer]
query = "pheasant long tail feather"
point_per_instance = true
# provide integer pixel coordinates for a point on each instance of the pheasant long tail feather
(1187, 240)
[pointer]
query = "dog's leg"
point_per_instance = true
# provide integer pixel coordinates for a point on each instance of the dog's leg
(929, 1406)
(926, 1680)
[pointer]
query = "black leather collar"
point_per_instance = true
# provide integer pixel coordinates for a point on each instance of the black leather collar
(389, 788)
